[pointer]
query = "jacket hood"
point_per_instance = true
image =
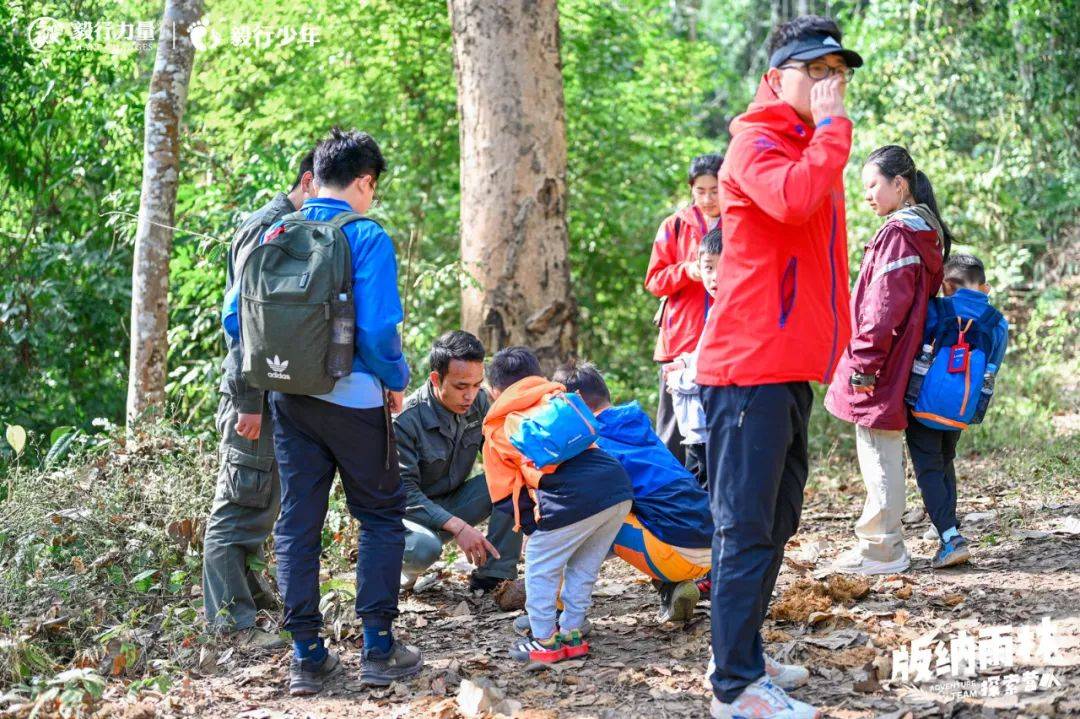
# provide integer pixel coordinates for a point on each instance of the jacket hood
(918, 221)
(970, 302)
(626, 423)
(769, 112)
(520, 396)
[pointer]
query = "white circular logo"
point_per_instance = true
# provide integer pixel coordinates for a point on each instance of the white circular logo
(44, 31)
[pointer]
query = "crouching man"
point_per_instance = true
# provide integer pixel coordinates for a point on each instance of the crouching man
(439, 436)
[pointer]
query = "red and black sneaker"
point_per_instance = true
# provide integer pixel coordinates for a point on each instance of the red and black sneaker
(704, 586)
(534, 650)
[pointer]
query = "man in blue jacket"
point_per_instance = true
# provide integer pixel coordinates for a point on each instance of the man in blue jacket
(348, 431)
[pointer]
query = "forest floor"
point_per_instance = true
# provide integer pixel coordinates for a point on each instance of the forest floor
(1026, 566)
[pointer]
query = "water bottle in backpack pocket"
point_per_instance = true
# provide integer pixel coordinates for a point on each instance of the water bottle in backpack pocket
(559, 427)
(953, 392)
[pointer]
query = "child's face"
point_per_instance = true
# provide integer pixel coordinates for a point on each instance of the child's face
(708, 263)
(706, 192)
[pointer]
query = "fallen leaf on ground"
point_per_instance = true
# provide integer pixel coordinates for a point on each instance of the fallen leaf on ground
(807, 597)
(510, 595)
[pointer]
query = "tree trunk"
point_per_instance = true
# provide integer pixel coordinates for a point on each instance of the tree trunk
(513, 176)
(157, 203)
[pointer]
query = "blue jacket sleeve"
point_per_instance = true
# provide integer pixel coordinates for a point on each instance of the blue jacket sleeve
(230, 320)
(1001, 340)
(378, 306)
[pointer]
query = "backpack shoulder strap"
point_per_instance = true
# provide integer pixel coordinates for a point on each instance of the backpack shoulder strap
(340, 220)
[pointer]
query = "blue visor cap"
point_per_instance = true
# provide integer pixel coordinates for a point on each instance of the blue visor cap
(813, 47)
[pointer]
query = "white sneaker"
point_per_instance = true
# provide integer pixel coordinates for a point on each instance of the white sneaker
(408, 582)
(930, 533)
(853, 562)
(762, 700)
(785, 676)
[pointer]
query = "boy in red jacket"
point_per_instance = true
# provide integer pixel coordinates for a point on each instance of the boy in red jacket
(673, 275)
(778, 323)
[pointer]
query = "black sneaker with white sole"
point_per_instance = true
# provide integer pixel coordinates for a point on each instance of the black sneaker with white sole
(382, 669)
(677, 601)
(307, 678)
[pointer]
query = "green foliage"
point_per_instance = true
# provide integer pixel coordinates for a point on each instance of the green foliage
(983, 93)
(69, 152)
(107, 537)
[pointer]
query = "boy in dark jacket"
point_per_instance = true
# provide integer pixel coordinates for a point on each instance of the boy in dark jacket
(668, 536)
(933, 449)
(571, 511)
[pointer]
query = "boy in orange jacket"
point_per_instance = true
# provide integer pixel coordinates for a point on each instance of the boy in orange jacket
(571, 511)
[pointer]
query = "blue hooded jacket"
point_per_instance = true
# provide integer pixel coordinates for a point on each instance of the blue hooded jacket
(970, 303)
(667, 499)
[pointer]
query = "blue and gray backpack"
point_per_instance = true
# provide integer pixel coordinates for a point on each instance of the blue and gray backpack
(956, 390)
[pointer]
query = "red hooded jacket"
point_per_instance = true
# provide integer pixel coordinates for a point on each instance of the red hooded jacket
(676, 244)
(901, 271)
(780, 314)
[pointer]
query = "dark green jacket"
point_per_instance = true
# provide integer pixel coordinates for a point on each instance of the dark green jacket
(436, 451)
(248, 400)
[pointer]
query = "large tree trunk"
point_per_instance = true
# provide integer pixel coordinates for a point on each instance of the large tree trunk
(513, 176)
(157, 204)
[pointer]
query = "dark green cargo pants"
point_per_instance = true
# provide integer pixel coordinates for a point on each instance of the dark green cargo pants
(246, 504)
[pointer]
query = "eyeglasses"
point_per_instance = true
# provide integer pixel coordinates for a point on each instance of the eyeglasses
(376, 196)
(818, 71)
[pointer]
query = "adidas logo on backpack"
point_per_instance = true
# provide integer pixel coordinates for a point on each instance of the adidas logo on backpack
(277, 368)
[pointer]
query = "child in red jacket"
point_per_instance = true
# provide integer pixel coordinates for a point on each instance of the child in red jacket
(901, 271)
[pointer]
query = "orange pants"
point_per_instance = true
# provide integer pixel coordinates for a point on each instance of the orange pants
(643, 550)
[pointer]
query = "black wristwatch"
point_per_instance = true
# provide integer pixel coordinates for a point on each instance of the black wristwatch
(858, 379)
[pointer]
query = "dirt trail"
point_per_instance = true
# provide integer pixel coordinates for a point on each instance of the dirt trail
(1026, 567)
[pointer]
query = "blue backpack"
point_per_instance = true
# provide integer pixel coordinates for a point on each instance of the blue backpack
(557, 428)
(952, 394)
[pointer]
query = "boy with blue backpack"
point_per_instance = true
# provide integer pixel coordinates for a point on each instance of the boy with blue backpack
(951, 385)
(541, 464)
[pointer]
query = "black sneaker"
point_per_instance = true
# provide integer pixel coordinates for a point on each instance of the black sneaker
(478, 583)
(306, 678)
(677, 601)
(401, 662)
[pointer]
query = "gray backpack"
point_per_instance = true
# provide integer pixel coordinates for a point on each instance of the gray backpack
(297, 318)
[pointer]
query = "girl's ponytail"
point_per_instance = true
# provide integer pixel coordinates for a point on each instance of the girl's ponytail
(923, 193)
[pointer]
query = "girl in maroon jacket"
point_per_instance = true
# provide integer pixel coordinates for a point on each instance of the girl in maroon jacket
(901, 271)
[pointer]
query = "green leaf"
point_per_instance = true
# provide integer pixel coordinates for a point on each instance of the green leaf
(16, 437)
(144, 580)
(59, 433)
